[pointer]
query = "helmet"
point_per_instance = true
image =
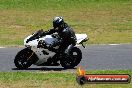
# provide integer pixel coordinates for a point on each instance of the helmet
(57, 22)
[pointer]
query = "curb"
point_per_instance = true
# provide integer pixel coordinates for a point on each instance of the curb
(2, 47)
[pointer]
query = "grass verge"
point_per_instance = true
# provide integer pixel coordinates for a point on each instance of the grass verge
(105, 21)
(54, 79)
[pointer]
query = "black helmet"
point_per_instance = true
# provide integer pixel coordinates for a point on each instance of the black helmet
(57, 22)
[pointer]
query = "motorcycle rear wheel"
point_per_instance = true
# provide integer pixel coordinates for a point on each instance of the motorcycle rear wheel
(69, 62)
(22, 60)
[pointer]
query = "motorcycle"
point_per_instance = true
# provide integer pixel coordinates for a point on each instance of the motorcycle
(32, 54)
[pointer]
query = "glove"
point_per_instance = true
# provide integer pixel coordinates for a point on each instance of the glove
(27, 40)
(30, 39)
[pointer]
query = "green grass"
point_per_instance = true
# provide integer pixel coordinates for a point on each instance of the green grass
(55, 79)
(105, 21)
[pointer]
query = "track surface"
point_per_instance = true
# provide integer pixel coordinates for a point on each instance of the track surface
(102, 57)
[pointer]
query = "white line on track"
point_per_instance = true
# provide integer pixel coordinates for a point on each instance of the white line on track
(2, 47)
(113, 44)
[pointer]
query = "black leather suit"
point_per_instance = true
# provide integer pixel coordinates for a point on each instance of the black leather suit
(67, 37)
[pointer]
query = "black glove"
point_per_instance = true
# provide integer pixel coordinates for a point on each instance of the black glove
(36, 35)
(27, 40)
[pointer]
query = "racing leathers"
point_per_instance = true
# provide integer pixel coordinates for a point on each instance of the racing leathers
(67, 38)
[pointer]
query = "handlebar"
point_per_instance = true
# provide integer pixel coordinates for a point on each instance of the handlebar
(35, 35)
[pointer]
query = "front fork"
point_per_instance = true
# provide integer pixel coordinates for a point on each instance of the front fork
(29, 57)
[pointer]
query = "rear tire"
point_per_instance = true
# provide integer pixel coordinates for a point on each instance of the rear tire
(21, 60)
(73, 60)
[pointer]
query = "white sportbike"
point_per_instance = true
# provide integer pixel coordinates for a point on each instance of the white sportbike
(31, 54)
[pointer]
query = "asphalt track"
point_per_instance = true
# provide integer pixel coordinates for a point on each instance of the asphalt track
(95, 57)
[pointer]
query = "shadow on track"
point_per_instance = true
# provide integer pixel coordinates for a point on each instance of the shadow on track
(42, 69)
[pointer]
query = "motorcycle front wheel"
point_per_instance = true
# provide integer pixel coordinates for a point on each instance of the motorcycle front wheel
(69, 62)
(24, 58)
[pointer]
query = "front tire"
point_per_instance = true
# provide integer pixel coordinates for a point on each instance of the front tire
(73, 60)
(22, 60)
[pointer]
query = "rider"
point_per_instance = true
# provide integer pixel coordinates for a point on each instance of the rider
(67, 35)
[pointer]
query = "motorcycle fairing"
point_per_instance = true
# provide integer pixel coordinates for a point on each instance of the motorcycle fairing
(42, 57)
(81, 37)
(49, 39)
